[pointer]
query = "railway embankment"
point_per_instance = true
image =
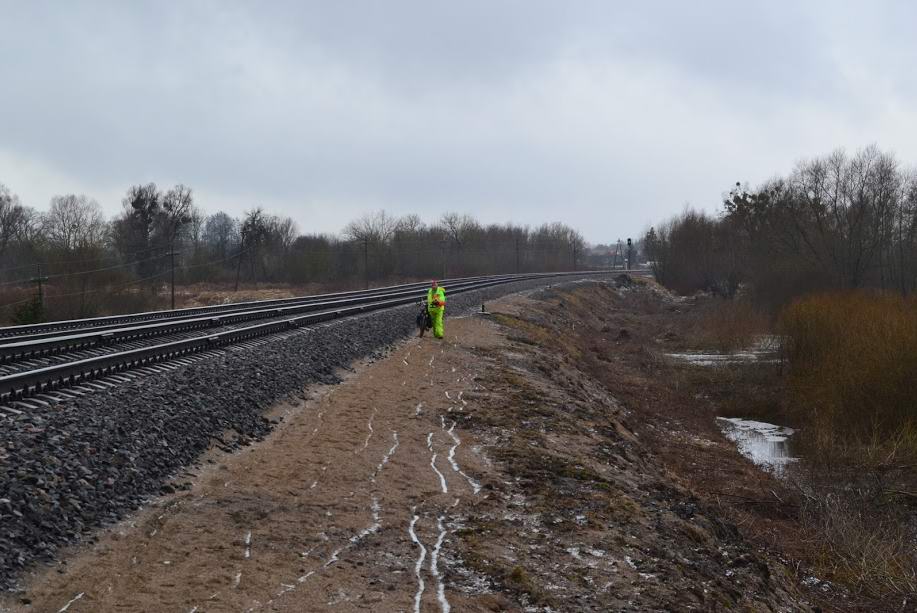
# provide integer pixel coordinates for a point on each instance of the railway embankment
(510, 467)
(70, 467)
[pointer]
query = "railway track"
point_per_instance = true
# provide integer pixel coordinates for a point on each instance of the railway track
(60, 360)
(43, 330)
(45, 348)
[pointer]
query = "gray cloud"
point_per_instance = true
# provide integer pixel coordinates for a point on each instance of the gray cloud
(604, 115)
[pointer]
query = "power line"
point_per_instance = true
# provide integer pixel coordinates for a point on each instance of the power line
(86, 272)
(220, 261)
(123, 285)
(103, 257)
(93, 291)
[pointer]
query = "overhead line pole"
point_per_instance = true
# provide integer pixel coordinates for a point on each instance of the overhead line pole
(366, 261)
(41, 294)
(517, 255)
(239, 263)
(172, 254)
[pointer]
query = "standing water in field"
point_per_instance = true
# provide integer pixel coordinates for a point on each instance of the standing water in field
(763, 351)
(767, 445)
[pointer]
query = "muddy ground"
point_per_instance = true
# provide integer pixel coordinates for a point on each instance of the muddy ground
(541, 458)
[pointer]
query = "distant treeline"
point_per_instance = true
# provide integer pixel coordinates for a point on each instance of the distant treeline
(82, 257)
(836, 222)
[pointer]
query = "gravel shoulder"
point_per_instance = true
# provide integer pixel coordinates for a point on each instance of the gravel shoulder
(69, 468)
(486, 472)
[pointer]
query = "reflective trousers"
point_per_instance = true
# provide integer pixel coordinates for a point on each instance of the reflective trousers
(436, 314)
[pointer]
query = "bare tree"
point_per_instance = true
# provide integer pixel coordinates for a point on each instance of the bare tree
(254, 234)
(220, 232)
(372, 234)
(458, 228)
(134, 230)
(282, 232)
(409, 224)
(74, 222)
(376, 228)
(196, 228)
(841, 204)
(176, 213)
(13, 218)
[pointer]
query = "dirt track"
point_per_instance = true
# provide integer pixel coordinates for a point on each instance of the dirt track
(473, 474)
(317, 515)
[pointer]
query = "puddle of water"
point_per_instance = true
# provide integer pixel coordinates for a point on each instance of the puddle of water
(718, 359)
(763, 351)
(767, 445)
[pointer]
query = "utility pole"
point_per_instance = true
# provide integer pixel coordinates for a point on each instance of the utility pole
(172, 254)
(41, 294)
(366, 261)
(239, 262)
(442, 246)
(517, 255)
(574, 255)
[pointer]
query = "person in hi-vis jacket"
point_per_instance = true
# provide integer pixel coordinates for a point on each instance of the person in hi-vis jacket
(436, 307)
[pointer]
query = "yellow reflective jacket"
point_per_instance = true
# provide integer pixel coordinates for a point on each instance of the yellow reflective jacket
(436, 299)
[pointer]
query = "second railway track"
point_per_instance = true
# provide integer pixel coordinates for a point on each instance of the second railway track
(46, 348)
(47, 362)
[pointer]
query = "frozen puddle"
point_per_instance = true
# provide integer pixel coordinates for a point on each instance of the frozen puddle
(717, 359)
(764, 351)
(764, 444)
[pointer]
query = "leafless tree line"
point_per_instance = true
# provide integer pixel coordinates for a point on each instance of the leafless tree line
(81, 252)
(837, 221)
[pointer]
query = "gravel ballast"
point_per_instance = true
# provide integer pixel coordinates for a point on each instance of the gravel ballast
(72, 467)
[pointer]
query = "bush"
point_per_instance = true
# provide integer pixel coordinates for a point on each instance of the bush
(32, 312)
(853, 365)
(866, 547)
(729, 325)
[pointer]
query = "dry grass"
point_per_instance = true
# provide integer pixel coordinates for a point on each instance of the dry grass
(728, 325)
(14, 303)
(531, 333)
(853, 364)
(68, 302)
(853, 360)
(862, 546)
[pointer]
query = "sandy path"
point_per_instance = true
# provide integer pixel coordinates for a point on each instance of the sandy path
(347, 505)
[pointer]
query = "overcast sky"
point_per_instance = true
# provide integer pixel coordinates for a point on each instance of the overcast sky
(605, 115)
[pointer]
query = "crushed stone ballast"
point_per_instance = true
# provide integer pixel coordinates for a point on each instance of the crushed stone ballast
(89, 459)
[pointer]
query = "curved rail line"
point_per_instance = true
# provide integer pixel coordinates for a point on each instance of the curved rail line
(43, 344)
(34, 331)
(21, 385)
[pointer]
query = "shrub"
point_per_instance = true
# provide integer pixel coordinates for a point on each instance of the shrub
(853, 366)
(729, 325)
(31, 312)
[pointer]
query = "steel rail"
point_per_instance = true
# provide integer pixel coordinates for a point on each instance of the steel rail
(56, 327)
(29, 383)
(48, 344)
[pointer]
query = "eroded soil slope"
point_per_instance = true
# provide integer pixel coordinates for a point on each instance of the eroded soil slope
(488, 472)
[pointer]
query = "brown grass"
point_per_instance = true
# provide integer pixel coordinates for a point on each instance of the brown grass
(728, 325)
(862, 546)
(853, 366)
(68, 302)
(853, 361)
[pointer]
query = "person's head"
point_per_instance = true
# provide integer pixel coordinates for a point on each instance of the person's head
(434, 284)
